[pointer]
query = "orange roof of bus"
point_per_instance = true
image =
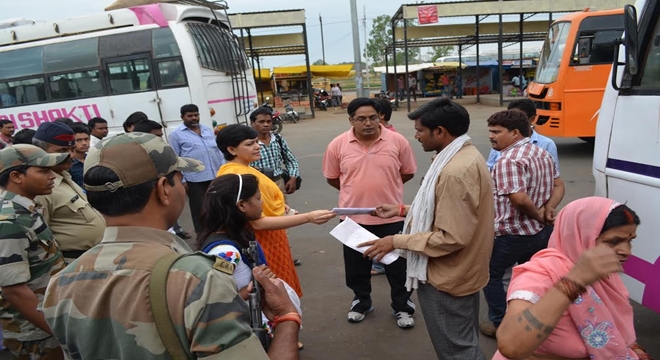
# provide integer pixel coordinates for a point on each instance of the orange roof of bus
(579, 15)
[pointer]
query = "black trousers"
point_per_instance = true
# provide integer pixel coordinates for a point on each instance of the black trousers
(196, 191)
(358, 273)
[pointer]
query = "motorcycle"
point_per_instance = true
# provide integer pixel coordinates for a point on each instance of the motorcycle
(389, 96)
(291, 114)
(321, 104)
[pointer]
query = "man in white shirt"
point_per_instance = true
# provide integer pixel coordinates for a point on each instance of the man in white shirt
(98, 128)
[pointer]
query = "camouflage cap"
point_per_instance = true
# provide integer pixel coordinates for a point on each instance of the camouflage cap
(30, 155)
(136, 158)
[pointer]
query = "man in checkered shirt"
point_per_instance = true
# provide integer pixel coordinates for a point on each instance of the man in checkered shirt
(524, 188)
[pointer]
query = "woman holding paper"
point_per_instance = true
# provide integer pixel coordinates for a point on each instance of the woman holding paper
(240, 146)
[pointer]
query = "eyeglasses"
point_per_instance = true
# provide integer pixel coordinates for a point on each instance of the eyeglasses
(372, 118)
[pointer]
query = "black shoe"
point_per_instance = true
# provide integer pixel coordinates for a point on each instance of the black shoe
(297, 262)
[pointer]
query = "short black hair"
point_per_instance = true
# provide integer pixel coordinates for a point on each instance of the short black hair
(233, 135)
(97, 120)
(146, 126)
(133, 119)
(189, 108)
(4, 176)
(5, 122)
(621, 215)
(80, 128)
(66, 121)
(262, 110)
(124, 201)
(443, 112)
(524, 105)
(354, 105)
(385, 108)
(511, 120)
(25, 136)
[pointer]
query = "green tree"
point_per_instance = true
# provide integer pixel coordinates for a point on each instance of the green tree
(439, 51)
(319, 62)
(380, 36)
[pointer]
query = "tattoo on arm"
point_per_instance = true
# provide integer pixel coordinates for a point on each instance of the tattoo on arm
(532, 323)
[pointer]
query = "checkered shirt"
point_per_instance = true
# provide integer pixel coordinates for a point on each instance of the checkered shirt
(526, 168)
(271, 158)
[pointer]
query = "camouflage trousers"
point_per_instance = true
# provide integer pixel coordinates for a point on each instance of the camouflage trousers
(46, 349)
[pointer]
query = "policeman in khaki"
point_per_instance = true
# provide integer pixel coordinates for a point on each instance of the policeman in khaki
(99, 306)
(76, 225)
(28, 253)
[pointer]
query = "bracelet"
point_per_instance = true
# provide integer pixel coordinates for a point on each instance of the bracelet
(292, 316)
(402, 210)
(570, 288)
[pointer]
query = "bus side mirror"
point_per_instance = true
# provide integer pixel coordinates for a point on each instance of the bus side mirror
(631, 42)
(631, 39)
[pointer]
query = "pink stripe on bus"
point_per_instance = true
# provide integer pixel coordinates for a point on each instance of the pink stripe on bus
(150, 14)
(231, 99)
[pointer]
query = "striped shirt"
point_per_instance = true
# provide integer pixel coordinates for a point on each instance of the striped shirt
(271, 157)
(527, 168)
(186, 143)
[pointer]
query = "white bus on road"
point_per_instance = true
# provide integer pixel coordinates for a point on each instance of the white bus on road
(627, 147)
(152, 58)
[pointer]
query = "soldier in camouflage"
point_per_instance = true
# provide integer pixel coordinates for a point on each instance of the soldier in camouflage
(28, 253)
(99, 306)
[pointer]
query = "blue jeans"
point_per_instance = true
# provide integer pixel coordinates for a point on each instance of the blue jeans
(508, 250)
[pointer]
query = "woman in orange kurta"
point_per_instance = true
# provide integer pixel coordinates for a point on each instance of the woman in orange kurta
(240, 146)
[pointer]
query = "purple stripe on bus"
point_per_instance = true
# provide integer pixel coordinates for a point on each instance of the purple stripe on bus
(648, 274)
(231, 99)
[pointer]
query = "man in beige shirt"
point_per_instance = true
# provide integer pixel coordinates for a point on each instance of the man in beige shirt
(76, 225)
(459, 236)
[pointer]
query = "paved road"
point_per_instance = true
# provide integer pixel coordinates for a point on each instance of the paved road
(326, 333)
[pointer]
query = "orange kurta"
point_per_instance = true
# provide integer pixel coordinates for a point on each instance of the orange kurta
(275, 243)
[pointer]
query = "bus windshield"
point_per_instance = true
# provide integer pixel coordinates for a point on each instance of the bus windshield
(552, 52)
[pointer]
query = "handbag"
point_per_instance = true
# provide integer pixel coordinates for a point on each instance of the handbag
(285, 173)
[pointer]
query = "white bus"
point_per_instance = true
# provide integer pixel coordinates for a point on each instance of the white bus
(152, 58)
(627, 147)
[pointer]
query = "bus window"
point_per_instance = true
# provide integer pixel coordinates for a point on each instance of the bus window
(171, 73)
(21, 92)
(129, 76)
(76, 84)
(131, 43)
(164, 44)
(71, 55)
(21, 63)
(651, 64)
(553, 50)
(596, 47)
(217, 49)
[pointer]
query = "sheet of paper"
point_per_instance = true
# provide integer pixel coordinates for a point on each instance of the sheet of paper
(352, 234)
(353, 211)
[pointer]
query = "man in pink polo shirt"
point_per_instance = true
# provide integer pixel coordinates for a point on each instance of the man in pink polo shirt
(369, 165)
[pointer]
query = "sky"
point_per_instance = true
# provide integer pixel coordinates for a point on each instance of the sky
(336, 21)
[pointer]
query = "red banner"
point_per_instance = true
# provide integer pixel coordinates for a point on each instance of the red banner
(427, 14)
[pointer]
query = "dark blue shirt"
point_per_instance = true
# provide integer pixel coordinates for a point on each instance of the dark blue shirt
(76, 172)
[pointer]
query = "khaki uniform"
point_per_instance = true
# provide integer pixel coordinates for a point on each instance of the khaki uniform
(76, 225)
(28, 255)
(98, 306)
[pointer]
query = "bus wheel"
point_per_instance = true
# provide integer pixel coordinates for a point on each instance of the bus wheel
(588, 140)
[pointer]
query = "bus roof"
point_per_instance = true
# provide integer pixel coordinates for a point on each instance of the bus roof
(158, 14)
(579, 15)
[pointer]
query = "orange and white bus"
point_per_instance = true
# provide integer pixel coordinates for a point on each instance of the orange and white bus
(573, 71)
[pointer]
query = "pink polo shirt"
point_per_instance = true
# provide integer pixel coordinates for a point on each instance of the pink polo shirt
(369, 176)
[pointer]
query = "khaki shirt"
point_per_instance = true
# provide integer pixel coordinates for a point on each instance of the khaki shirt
(75, 224)
(460, 245)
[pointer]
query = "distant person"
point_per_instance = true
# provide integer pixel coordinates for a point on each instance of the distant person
(459, 85)
(98, 128)
(80, 150)
(24, 136)
(6, 133)
(412, 86)
(149, 126)
(385, 114)
(133, 119)
(66, 121)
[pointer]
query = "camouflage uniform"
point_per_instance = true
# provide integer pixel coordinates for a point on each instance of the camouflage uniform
(28, 255)
(99, 306)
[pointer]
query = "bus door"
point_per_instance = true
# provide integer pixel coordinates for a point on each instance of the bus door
(587, 75)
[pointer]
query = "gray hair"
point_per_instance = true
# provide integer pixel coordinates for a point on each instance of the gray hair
(40, 144)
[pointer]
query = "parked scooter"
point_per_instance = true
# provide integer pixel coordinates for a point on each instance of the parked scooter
(291, 114)
(394, 103)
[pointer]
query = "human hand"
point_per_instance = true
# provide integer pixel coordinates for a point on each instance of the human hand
(276, 298)
(245, 291)
(290, 185)
(595, 264)
(268, 272)
(540, 215)
(378, 248)
(319, 217)
(550, 215)
(386, 211)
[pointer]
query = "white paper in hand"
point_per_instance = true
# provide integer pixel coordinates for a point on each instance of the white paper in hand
(352, 234)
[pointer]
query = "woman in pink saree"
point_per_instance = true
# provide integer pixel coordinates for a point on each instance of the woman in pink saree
(568, 301)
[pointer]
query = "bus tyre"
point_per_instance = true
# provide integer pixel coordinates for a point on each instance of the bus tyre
(588, 140)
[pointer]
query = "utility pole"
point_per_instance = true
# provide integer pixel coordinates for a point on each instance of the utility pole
(322, 41)
(366, 59)
(357, 58)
